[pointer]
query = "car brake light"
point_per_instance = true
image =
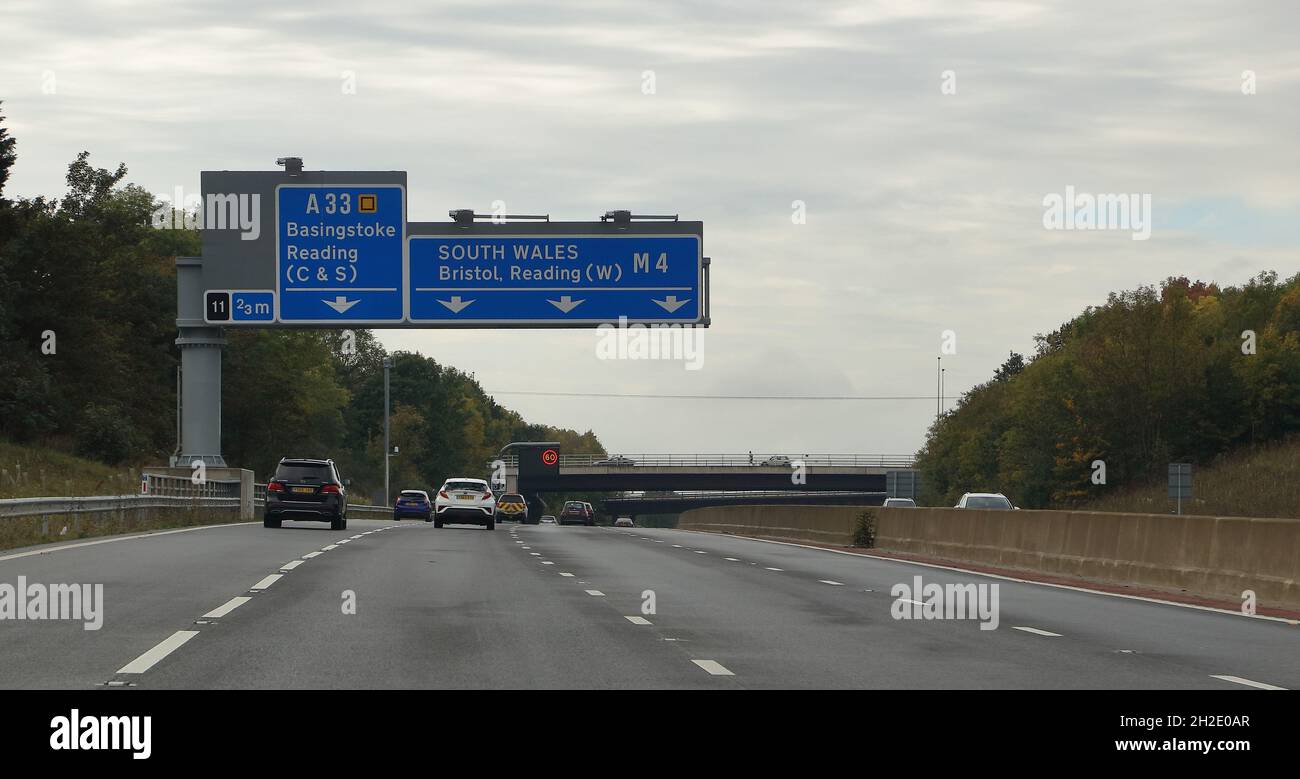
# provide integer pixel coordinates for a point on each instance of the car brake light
(443, 494)
(275, 486)
(331, 489)
(487, 493)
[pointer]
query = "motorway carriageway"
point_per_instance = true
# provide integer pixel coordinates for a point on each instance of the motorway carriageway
(539, 606)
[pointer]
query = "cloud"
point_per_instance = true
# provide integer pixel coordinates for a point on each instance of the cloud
(923, 209)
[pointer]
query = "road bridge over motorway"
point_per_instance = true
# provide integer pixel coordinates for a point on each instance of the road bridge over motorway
(672, 503)
(805, 473)
(537, 468)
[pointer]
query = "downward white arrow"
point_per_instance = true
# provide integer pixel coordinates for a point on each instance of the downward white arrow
(456, 305)
(565, 303)
(340, 303)
(671, 303)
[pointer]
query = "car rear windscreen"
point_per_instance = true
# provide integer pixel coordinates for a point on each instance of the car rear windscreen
(512, 499)
(988, 503)
(312, 473)
(465, 485)
(412, 494)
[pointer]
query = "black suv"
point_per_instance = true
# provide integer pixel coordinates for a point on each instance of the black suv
(575, 512)
(306, 489)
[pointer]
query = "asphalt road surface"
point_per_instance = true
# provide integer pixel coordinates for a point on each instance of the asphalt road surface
(404, 605)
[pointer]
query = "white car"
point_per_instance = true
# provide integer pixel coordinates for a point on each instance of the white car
(984, 500)
(467, 502)
(548, 520)
(624, 522)
(899, 503)
(779, 460)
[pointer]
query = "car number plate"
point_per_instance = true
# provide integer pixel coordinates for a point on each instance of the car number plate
(308, 490)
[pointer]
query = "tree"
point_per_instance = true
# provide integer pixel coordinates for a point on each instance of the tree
(1014, 365)
(8, 156)
(1152, 376)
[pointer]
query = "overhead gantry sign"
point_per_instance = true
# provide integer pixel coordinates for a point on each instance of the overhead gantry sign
(339, 251)
(335, 249)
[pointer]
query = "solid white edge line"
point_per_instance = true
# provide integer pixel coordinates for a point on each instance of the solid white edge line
(1247, 682)
(713, 667)
(165, 647)
(115, 539)
(1229, 612)
(227, 607)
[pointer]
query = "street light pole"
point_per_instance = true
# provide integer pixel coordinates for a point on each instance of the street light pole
(938, 378)
(388, 364)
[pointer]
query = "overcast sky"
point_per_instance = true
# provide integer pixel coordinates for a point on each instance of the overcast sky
(924, 210)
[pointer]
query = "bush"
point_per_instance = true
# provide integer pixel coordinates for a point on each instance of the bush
(105, 434)
(864, 530)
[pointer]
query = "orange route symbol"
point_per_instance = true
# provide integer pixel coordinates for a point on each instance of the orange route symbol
(367, 203)
(550, 457)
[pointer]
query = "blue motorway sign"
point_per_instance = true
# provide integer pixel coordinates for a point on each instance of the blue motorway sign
(340, 253)
(555, 279)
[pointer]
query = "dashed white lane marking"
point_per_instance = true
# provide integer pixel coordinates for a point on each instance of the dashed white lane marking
(346, 541)
(775, 569)
(547, 562)
(227, 607)
(310, 555)
(1247, 682)
(1036, 631)
(713, 667)
(267, 582)
(535, 554)
(565, 573)
(677, 546)
(289, 566)
(831, 582)
(699, 551)
(327, 548)
(358, 535)
(657, 541)
(731, 559)
(913, 602)
(168, 645)
(527, 547)
(596, 593)
(637, 620)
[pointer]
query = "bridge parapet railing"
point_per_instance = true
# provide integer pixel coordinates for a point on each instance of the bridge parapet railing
(708, 460)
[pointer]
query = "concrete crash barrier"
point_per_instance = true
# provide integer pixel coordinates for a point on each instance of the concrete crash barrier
(1219, 557)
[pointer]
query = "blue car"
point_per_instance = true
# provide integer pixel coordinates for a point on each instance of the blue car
(413, 503)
